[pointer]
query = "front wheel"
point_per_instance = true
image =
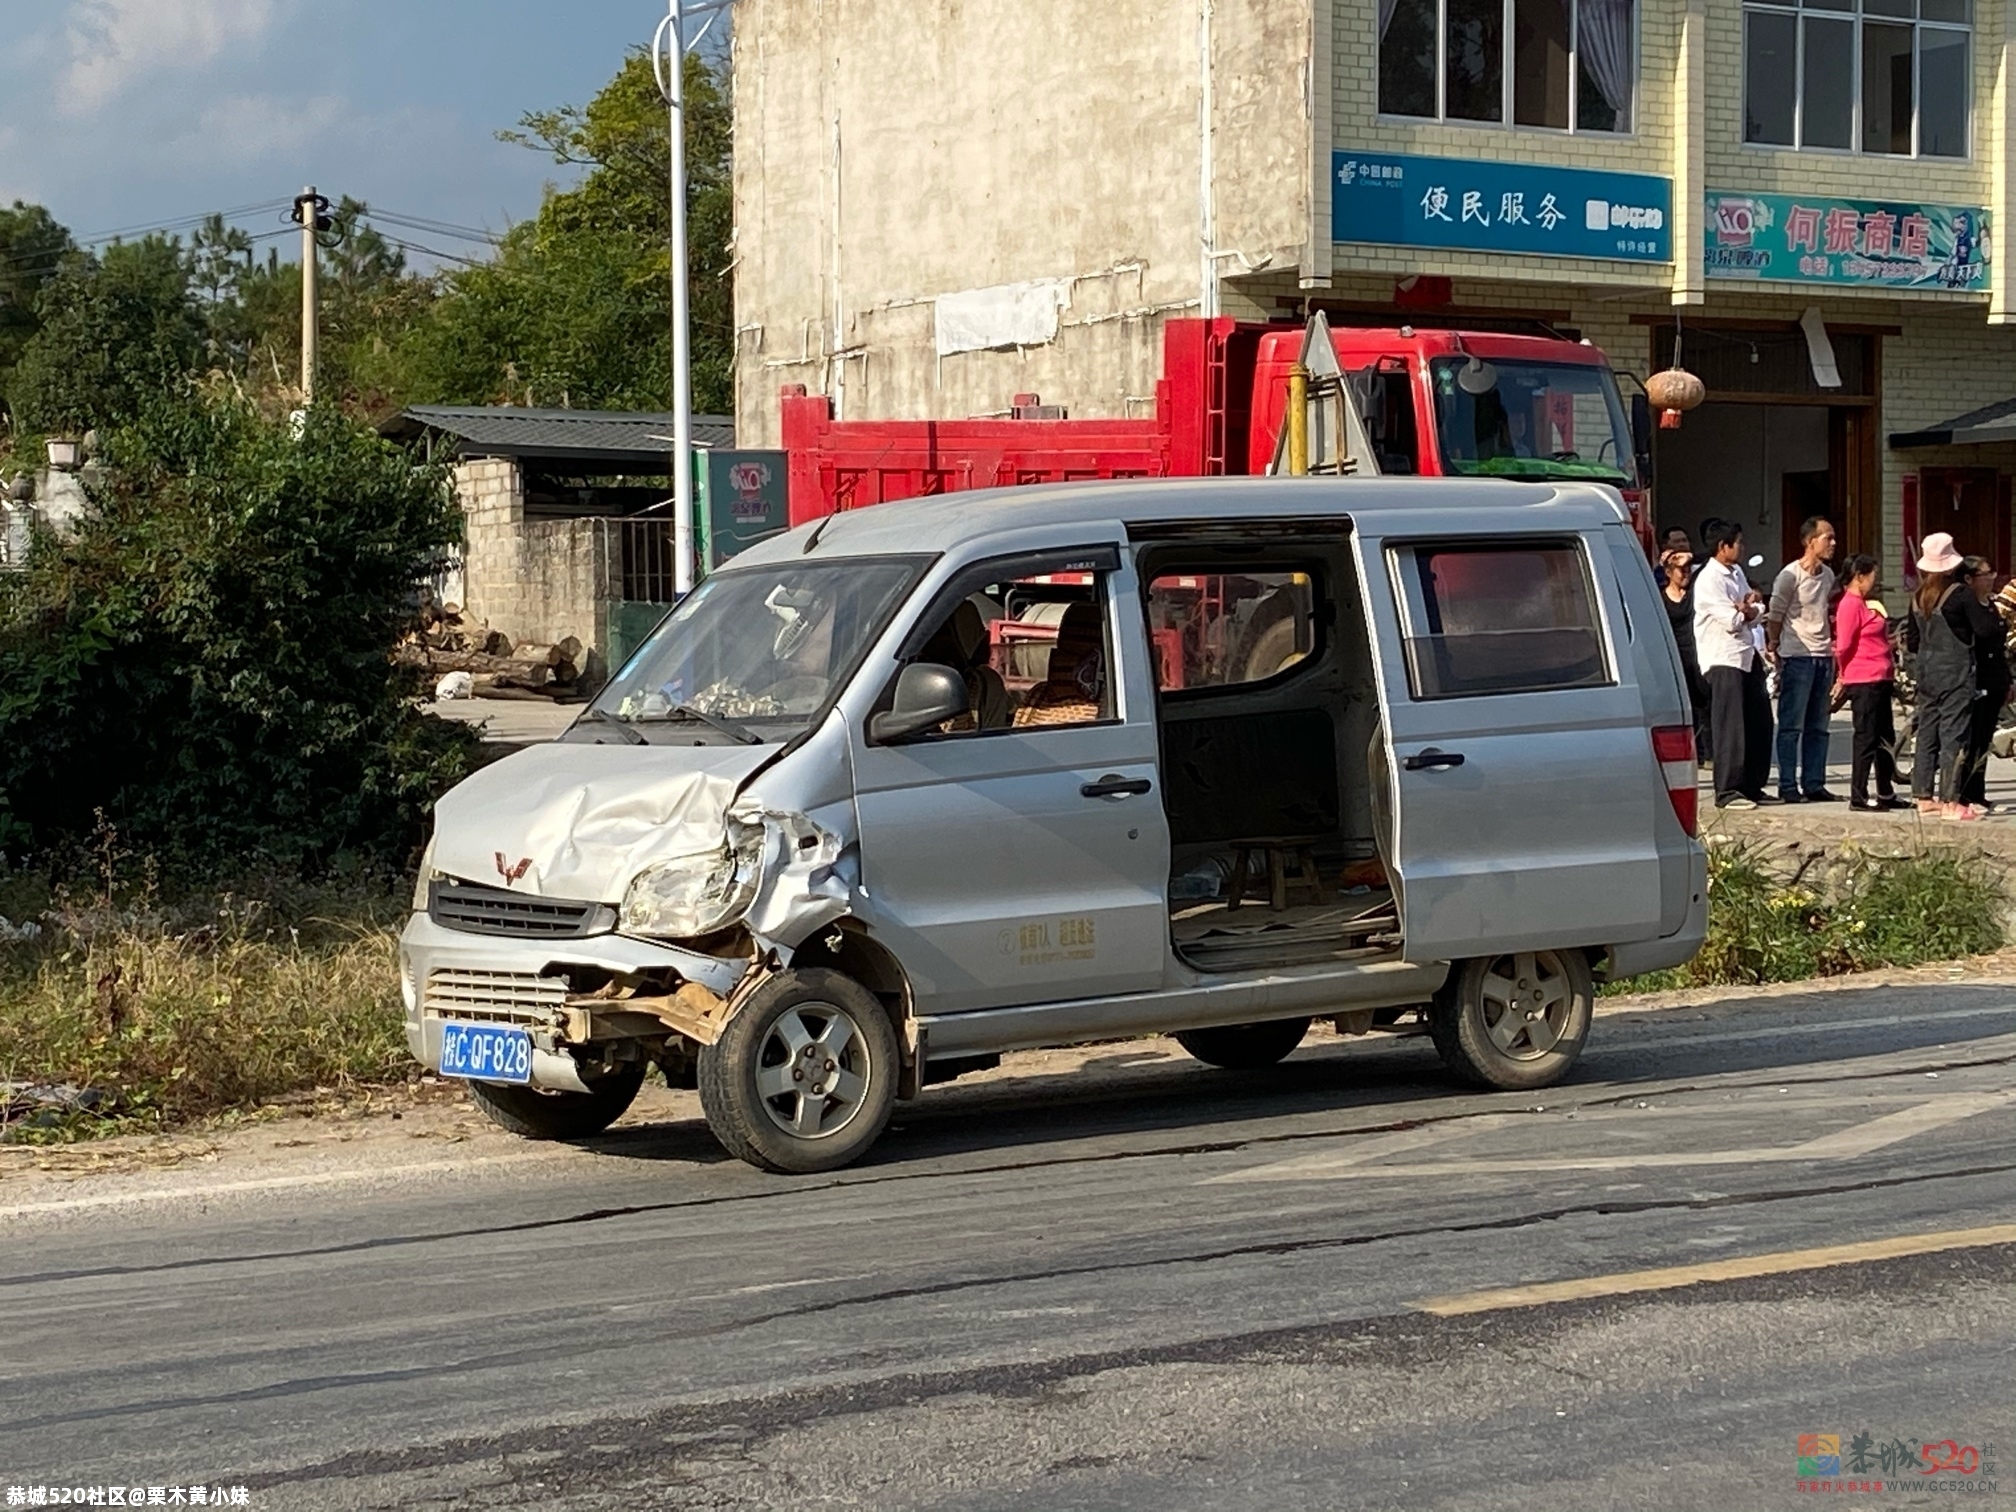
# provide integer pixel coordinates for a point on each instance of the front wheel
(1516, 1021)
(532, 1114)
(1245, 1047)
(803, 1079)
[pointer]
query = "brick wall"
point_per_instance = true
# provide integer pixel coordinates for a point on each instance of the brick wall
(534, 579)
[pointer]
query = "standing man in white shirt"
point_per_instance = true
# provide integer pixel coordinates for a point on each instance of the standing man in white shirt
(1799, 638)
(1727, 617)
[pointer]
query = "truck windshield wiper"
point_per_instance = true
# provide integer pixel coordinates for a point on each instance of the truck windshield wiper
(740, 734)
(618, 723)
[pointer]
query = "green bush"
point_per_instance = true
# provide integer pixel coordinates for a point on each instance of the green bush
(1830, 916)
(205, 661)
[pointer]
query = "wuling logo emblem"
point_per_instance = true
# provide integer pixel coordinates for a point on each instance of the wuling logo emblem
(513, 874)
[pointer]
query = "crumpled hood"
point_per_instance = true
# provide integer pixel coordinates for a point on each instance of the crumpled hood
(579, 821)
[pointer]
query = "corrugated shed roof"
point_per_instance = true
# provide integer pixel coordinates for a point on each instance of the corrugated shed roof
(607, 436)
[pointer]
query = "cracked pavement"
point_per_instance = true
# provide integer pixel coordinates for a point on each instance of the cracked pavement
(1112, 1280)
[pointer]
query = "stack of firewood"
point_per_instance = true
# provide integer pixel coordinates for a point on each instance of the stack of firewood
(448, 641)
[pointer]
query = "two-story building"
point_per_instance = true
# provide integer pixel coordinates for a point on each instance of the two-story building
(939, 206)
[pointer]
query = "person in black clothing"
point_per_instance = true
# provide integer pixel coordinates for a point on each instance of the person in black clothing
(1941, 632)
(1676, 539)
(1676, 568)
(1992, 678)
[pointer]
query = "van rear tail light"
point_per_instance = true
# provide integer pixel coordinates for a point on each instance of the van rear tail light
(1673, 749)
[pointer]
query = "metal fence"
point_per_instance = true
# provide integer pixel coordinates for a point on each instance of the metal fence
(642, 552)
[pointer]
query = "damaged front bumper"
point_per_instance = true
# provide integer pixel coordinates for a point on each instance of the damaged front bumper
(449, 976)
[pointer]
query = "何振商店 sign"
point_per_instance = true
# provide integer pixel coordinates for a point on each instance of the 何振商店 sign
(1803, 238)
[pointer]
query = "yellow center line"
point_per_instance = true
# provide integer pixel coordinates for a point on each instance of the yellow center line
(1622, 1283)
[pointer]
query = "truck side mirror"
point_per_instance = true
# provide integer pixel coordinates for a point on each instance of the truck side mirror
(926, 696)
(1641, 436)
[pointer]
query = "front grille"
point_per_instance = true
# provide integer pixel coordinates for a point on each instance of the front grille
(507, 997)
(493, 911)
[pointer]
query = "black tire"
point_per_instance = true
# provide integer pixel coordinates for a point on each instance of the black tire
(1550, 996)
(756, 1049)
(1245, 1047)
(532, 1114)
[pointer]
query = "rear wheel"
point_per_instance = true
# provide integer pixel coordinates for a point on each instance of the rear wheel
(1514, 1021)
(803, 1078)
(1245, 1047)
(532, 1114)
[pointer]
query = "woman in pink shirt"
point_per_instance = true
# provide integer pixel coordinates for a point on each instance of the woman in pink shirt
(1864, 671)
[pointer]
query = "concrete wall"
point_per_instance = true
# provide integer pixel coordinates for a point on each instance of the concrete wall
(533, 579)
(890, 153)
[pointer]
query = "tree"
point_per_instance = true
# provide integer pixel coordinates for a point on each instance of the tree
(206, 660)
(116, 330)
(33, 247)
(576, 308)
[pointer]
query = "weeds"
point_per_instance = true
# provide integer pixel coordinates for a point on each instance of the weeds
(1830, 915)
(129, 1012)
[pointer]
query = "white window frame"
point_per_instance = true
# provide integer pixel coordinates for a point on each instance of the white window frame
(1856, 17)
(1505, 102)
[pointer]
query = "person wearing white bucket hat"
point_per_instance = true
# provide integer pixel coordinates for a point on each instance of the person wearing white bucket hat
(1938, 631)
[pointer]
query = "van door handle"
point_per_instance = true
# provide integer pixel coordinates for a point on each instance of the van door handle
(1116, 786)
(1432, 760)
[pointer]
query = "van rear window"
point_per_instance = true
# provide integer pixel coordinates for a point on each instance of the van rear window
(1501, 619)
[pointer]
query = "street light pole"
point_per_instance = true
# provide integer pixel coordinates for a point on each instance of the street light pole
(668, 61)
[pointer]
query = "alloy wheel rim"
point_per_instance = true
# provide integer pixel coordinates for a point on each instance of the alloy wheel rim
(812, 1074)
(1526, 1000)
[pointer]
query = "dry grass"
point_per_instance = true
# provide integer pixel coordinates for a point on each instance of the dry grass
(170, 1014)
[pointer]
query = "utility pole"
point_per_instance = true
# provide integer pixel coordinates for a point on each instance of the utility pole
(668, 60)
(311, 211)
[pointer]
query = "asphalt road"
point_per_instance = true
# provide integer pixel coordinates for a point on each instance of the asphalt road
(1144, 1285)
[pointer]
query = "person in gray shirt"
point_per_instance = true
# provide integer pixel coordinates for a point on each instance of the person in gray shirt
(1799, 640)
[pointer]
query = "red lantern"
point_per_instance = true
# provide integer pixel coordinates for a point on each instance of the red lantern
(1673, 393)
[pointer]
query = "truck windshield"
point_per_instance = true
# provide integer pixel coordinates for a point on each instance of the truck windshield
(1543, 420)
(757, 652)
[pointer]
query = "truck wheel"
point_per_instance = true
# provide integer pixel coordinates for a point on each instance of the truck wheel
(1245, 1047)
(803, 1078)
(1270, 651)
(532, 1114)
(1514, 1021)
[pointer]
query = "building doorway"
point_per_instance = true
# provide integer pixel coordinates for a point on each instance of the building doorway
(1771, 448)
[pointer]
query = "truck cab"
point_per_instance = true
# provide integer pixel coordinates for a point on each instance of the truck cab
(1465, 404)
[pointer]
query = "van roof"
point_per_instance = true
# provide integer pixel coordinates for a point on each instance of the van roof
(944, 521)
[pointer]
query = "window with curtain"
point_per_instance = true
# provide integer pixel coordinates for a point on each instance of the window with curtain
(1561, 65)
(1875, 76)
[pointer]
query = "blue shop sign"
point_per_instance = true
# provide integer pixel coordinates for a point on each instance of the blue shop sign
(1403, 201)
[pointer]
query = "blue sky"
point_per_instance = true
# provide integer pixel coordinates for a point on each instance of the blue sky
(122, 113)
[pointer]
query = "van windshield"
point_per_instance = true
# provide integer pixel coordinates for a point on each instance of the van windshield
(1542, 420)
(758, 653)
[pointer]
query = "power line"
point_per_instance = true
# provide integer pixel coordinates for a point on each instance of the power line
(439, 228)
(180, 223)
(406, 246)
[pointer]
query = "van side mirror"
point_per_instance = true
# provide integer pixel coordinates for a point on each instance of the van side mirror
(1641, 436)
(926, 696)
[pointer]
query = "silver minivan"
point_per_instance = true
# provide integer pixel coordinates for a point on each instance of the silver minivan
(921, 784)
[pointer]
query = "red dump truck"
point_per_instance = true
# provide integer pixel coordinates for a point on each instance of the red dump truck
(1437, 403)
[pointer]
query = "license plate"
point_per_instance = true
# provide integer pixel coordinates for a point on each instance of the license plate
(486, 1052)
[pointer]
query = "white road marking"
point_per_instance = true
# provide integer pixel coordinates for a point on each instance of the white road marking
(100, 1200)
(1843, 1144)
